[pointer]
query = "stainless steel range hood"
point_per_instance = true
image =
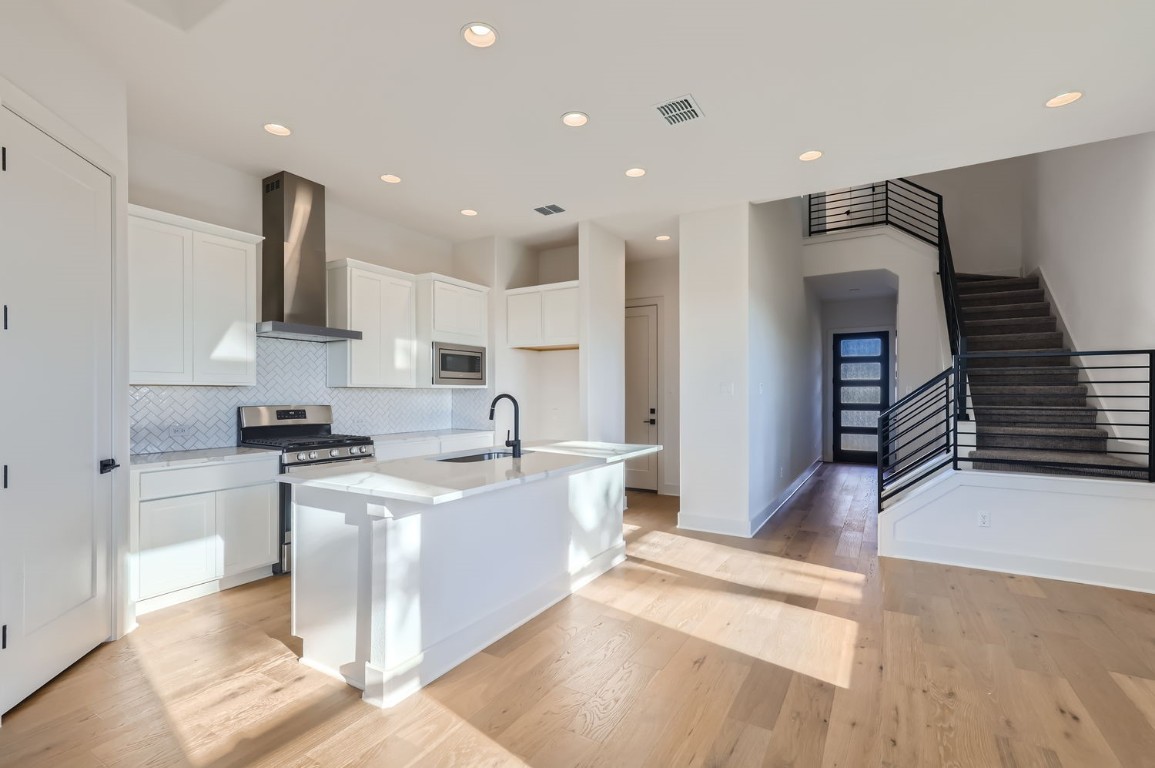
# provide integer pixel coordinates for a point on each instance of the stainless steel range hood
(293, 263)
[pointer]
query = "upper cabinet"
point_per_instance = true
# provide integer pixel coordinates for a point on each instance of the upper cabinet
(382, 304)
(456, 311)
(192, 301)
(543, 316)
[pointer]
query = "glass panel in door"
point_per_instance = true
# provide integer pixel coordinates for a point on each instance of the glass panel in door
(861, 392)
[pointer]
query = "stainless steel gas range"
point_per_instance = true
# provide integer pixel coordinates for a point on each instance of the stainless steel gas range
(304, 436)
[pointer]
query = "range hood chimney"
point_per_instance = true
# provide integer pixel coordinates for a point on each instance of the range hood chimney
(293, 262)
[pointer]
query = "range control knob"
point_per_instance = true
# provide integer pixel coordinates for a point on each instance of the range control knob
(334, 453)
(312, 454)
(301, 457)
(357, 449)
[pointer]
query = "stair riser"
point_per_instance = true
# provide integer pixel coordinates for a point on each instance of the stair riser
(1015, 341)
(1010, 325)
(1041, 443)
(1006, 297)
(1019, 362)
(981, 377)
(998, 286)
(1000, 311)
(1010, 401)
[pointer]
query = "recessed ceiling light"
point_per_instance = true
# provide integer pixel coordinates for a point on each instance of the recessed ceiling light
(809, 155)
(636, 173)
(468, 212)
(277, 129)
(478, 34)
(391, 179)
(662, 238)
(1063, 99)
(575, 119)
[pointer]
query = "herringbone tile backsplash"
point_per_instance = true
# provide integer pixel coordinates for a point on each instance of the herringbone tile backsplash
(172, 418)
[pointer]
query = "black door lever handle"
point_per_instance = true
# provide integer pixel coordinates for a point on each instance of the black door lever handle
(107, 465)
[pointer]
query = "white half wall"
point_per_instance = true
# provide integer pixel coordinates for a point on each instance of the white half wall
(602, 353)
(658, 279)
(1090, 231)
(923, 345)
(1075, 529)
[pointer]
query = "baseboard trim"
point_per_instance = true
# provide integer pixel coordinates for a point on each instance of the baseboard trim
(746, 529)
(200, 590)
(387, 687)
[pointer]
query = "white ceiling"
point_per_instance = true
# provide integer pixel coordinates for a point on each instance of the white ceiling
(884, 88)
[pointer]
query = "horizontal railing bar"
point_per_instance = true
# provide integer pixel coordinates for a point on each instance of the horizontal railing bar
(912, 463)
(1057, 464)
(916, 408)
(840, 227)
(931, 210)
(902, 218)
(942, 437)
(823, 198)
(903, 228)
(1067, 424)
(997, 447)
(932, 193)
(891, 435)
(919, 391)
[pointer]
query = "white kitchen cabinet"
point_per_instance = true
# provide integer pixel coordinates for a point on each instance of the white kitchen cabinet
(178, 546)
(192, 301)
(382, 304)
(247, 520)
(201, 528)
(543, 316)
(453, 311)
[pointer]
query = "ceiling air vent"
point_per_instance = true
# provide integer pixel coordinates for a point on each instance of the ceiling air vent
(680, 110)
(550, 210)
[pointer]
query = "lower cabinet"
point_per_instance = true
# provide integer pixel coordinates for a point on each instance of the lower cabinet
(184, 545)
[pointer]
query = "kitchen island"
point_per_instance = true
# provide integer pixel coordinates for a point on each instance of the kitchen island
(404, 569)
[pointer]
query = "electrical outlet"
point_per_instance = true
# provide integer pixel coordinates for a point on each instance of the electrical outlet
(984, 519)
(180, 430)
(781, 473)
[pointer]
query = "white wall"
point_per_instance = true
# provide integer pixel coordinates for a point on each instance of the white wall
(602, 354)
(1090, 231)
(558, 265)
(713, 258)
(1040, 526)
(984, 214)
(785, 369)
(850, 316)
(658, 279)
(923, 345)
(169, 179)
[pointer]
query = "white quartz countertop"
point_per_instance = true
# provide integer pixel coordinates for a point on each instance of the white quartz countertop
(401, 437)
(426, 480)
(171, 459)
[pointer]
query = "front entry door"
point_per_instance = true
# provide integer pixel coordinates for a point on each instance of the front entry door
(56, 400)
(861, 392)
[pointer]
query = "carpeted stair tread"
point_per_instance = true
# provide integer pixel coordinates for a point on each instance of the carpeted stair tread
(997, 342)
(1029, 296)
(1004, 311)
(1028, 415)
(1014, 361)
(998, 286)
(1040, 438)
(1006, 429)
(997, 325)
(1103, 464)
(970, 277)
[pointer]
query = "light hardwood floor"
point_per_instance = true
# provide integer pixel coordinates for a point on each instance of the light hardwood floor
(797, 648)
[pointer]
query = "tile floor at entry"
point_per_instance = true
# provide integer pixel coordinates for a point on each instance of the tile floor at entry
(799, 647)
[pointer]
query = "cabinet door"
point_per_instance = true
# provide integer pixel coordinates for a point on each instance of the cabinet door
(523, 319)
(471, 314)
(366, 304)
(178, 544)
(160, 297)
(224, 311)
(398, 333)
(446, 308)
(559, 317)
(247, 523)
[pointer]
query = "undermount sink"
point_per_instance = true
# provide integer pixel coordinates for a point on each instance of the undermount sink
(487, 456)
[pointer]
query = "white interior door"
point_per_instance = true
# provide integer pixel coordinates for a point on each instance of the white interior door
(55, 407)
(642, 393)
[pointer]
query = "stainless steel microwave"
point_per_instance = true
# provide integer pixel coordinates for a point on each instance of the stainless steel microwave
(458, 364)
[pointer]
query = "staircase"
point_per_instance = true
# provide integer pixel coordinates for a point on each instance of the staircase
(1031, 408)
